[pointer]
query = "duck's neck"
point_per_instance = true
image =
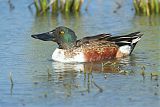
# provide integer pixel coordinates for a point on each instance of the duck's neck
(66, 45)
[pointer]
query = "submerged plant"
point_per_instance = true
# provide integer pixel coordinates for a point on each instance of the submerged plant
(147, 7)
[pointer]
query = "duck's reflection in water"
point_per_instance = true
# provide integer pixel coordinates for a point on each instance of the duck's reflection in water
(111, 66)
(80, 76)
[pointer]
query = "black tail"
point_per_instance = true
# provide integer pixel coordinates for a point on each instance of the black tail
(130, 39)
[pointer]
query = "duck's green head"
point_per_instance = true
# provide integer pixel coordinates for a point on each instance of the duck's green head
(64, 37)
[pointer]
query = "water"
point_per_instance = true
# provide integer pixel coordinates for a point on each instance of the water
(38, 81)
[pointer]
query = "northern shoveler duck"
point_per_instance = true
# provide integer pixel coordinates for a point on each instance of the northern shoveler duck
(88, 49)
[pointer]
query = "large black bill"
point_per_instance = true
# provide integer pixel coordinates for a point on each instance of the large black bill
(44, 36)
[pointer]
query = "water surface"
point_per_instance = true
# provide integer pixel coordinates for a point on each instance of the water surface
(38, 81)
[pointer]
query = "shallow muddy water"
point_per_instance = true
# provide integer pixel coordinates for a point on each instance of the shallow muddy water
(39, 81)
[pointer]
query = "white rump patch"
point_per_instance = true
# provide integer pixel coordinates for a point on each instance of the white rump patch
(59, 55)
(126, 49)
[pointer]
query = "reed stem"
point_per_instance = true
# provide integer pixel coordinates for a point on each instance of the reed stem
(147, 7)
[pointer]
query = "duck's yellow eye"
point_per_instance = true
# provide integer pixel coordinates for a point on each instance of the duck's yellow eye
(61, 33)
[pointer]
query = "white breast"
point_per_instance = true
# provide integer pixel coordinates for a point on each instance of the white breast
(59, 55)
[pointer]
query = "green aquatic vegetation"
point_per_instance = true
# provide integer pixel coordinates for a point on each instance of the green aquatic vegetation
(147, 7)
(124, 72)
(43, 6)
(154, 75)
(49, 72)
(99, 88)
(143, 72)
(91, 82)
(90, 69)
(12, 83)
(11, 79)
